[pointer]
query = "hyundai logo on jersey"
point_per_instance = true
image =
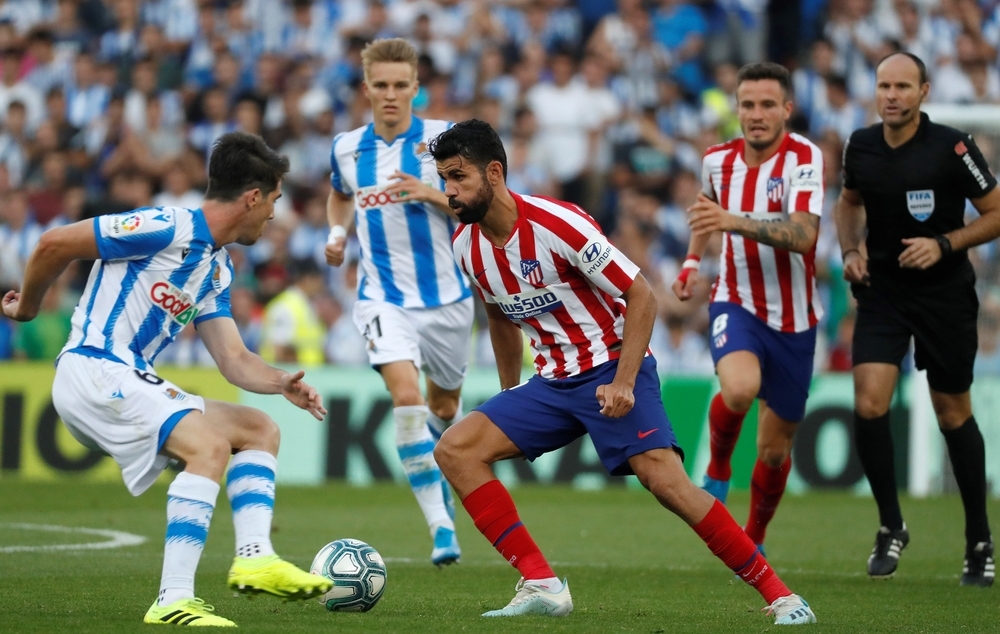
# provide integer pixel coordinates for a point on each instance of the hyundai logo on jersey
(528, 304)
(595, 255)
(531, 271)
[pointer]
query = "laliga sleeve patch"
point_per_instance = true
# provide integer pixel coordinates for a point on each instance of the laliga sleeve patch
(120, 226)
(595, 255)
(807, 178)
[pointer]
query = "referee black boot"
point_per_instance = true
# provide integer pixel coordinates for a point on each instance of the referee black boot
(885, 555)
(979, 568)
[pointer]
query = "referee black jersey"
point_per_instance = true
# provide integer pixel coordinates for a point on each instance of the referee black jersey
(915, 190)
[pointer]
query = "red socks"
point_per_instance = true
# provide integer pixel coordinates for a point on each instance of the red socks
(728, 542)
(493, 512)
(766, 488)
(725, 427)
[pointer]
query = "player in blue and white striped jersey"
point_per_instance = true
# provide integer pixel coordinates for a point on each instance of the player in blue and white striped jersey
(414, 305)
(156, 271)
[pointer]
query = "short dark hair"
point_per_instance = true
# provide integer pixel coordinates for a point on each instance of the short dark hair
(921, 67)
(241, 162)
(766, 70)
(474, 140)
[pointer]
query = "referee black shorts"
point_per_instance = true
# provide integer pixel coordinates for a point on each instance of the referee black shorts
(941, 318)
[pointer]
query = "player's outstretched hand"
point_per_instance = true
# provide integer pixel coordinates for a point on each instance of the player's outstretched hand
(409, 188)
(685, 284)
(11, 301)
(334, 251)
(856, 268)
(616, 400)
(706, 216)
(302, 394)
(920, 253)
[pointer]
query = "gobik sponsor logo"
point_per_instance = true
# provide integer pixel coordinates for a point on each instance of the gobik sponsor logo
(176, 302)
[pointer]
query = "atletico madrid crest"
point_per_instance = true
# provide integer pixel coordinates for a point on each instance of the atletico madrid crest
(531, 271)
(775, 188)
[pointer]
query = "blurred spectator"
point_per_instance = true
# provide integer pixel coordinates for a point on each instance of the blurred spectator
(145, 85)
(13, 88)
(86, 99)
(292, 332)
(967, 78)
(839, 359)
(309, 238)
(564, 121)
(216, 121)
(680, 27)
(19, 234)
(247, 316)
(643, 156)
(177, 189)
(809, 83)
(43, 337)
(14, 144)
(679, 349)
(842, 115)
(6, 338)
(343, 345)
(47, 71)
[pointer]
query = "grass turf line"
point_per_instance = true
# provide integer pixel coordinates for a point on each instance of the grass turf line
(632, 566)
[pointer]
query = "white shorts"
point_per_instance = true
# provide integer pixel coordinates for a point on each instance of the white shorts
(437, 340)
(115, 408)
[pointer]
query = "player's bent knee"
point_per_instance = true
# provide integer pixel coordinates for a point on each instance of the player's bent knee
(773, 456)
(407, 397)
(870, 406)
(209, 456)
(444, 408)
(265, 431)
(739, 397)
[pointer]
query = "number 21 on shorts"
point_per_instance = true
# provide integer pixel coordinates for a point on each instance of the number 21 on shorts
(373, 329)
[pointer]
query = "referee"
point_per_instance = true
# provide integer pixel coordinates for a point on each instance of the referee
(906, 181)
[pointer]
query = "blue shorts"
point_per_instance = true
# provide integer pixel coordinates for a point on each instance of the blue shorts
(542, 415)
(786, 358)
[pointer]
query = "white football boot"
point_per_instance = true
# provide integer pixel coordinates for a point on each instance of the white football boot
(791, 610)
(531, 598)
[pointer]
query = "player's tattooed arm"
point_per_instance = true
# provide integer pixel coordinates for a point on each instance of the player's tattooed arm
(797, 234)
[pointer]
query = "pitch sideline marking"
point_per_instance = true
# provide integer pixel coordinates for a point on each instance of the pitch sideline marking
(116, 539)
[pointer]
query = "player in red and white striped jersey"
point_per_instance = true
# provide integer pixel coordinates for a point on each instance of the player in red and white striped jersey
(764, 191)
(544, 267)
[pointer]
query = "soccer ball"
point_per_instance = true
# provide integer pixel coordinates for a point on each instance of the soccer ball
(357, 572)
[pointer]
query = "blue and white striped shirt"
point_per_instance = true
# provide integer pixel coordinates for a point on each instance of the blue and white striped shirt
(406, 256)
(159, 271)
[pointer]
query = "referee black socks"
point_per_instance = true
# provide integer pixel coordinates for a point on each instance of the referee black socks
(873, 441)
(968, 461)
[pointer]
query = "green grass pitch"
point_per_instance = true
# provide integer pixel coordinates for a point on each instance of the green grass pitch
(632, 566)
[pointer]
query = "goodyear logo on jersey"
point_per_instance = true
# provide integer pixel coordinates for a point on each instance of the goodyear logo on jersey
(174, 301)
(529, 304)
(920, 203)
(376, 196)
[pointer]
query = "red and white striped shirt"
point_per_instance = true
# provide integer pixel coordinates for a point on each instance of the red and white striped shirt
(557, 278)
(778, 286)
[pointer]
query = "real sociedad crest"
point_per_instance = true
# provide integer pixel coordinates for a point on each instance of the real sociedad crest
(775, 188)
(531, 271)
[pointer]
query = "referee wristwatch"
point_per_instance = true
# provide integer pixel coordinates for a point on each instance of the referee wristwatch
(945, 244)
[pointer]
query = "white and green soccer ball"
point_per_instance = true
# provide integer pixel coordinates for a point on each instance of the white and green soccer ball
(357, 572)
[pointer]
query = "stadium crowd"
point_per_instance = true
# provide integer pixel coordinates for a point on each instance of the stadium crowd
(109, 105)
